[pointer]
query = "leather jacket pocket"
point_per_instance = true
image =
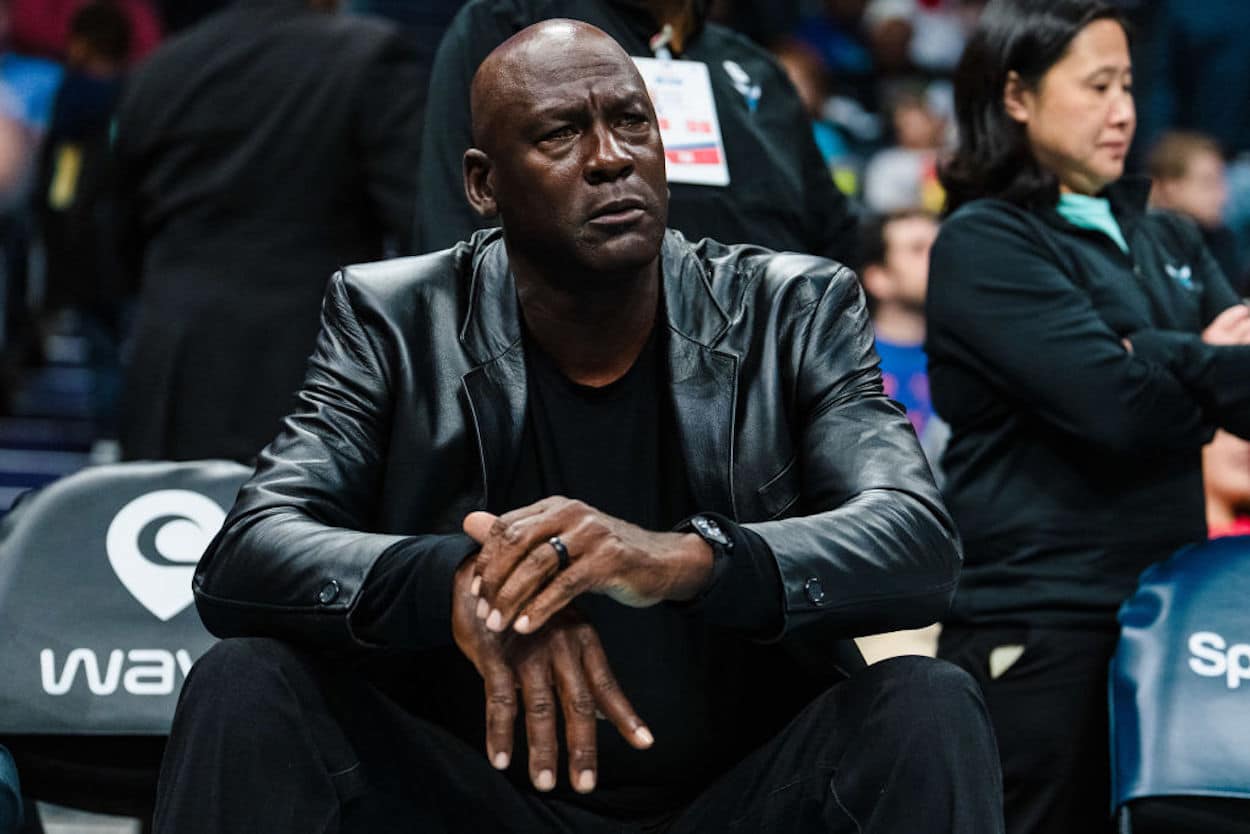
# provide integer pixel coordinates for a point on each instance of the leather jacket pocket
(780, 492)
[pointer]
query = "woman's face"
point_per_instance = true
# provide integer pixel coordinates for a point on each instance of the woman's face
(1080, 117)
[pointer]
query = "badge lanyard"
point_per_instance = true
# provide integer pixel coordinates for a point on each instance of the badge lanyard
(681, 92)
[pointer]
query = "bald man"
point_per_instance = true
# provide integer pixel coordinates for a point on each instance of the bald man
(573, 524)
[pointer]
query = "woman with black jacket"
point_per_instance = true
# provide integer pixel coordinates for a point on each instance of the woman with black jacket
(1083, 351)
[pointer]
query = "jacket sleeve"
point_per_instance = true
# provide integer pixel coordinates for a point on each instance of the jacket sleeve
(444, 216)
(389, 108)
(874, 549)
(1000, 305)
(1218, 375)
(294, 556)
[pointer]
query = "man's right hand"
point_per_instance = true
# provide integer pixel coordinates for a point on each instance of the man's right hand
(562, 664)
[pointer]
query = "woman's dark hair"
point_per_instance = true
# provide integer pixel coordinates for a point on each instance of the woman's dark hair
(994, 158)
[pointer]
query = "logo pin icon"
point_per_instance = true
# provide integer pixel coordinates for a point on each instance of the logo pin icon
(187, 523)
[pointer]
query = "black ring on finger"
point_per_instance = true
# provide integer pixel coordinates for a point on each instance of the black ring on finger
(562, 552)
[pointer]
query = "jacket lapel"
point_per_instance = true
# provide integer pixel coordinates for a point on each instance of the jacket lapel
(703, 380)
(496, 388)
(497, 394)
(703, 384)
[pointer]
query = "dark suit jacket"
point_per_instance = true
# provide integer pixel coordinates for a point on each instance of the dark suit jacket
(412, 413)
(258, 152)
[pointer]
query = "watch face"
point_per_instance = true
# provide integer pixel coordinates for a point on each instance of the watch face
(709, 529)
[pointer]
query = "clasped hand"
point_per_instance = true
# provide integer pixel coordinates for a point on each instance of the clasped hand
(552, 655)
(520, 582)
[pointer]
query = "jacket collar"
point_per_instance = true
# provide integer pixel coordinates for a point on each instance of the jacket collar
(492, 323)
(1128, 197)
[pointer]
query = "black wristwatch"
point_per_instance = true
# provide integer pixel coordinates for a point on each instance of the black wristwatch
(709, 530)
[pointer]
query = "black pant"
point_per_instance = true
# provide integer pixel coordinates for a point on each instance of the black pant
(268, 739)
(1050, 717)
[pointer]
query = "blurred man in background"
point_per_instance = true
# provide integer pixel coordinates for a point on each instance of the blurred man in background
(84, 288)
(905, 174)
(256, 154)
(1188, 177)
(894, 267)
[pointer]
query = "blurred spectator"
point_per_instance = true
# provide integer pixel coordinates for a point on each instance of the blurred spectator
(42, 27)
(73, 168)
(1226, 475)
(812, 82)
(1193, 68)
(780, 193)
(27, 88)
(889, 35)
(836, 34)
(923, 35)
(1188, 177)
(83, 287)
(906, 174)
(767, 22)
(894, 268)
(257, 153)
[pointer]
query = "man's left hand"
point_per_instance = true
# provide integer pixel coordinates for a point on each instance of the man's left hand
(520, 581)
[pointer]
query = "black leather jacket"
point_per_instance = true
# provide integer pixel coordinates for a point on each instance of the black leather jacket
(412, 411)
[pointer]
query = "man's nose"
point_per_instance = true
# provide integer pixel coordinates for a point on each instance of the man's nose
(609, 159)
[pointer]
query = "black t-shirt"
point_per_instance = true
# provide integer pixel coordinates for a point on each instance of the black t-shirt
(615, 448)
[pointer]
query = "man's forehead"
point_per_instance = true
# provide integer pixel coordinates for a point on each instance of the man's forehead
(548, 65)
(574, 83)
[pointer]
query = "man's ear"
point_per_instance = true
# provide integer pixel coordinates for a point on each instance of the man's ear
(877, 282)
(1014, 98)
(478, 183)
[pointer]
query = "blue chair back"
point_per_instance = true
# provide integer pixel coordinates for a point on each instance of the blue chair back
(1180, 678)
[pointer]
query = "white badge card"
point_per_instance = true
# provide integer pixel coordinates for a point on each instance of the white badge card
(681, 92)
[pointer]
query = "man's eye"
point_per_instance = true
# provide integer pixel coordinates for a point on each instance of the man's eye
(559, 133)
(633, 119)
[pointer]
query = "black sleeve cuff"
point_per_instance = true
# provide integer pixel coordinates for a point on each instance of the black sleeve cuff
(406, 600)
(1173, 350)
(1216, 374)
(745, 591)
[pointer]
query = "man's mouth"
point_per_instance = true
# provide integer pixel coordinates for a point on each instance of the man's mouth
(619, 212)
